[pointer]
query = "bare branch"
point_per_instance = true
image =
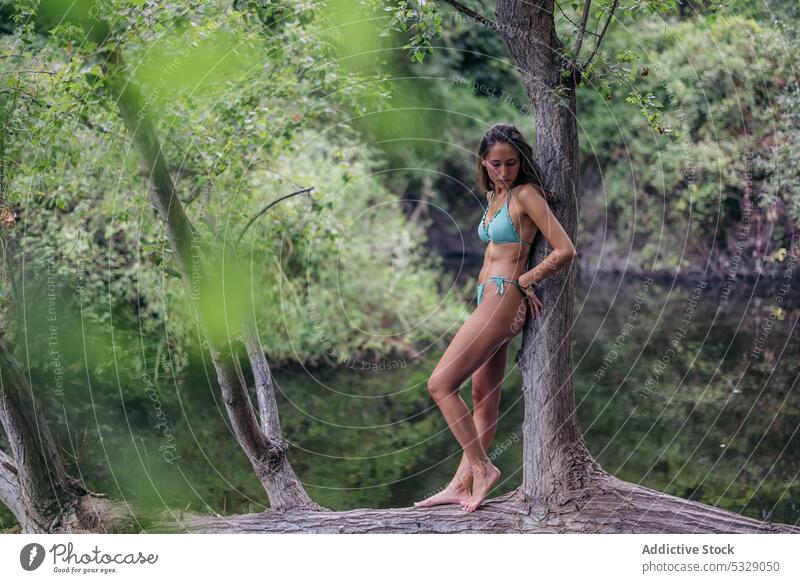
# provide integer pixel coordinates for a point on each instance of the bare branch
(564, 14)
(195, 192)
(34, 72)
(468, 11)
(601, 35)
(582, 29)
(182, 170)
(269, 206)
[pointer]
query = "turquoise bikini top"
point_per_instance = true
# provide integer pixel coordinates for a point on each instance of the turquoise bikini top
(500, 229)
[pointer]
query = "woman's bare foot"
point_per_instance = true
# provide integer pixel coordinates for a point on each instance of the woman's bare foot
(483, 478)
(446, 496)
(456, 492)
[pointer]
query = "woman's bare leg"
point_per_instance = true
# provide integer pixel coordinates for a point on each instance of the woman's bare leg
(486, 389)
(486, 383)
(494, 322)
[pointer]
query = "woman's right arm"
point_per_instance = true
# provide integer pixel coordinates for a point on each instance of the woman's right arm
(535, 206)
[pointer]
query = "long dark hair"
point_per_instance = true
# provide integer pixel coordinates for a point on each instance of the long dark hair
(529, 171)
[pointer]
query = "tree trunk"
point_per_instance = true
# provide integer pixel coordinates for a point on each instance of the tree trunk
(284, 478)
(34, 483)
(42, 484)
(555, 457)
(266, 450)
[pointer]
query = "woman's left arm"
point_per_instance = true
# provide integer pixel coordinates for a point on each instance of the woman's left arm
(535, 206)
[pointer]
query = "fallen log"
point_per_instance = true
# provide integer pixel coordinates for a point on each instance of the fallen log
(609, 505)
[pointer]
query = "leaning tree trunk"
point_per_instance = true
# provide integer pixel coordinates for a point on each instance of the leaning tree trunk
(266, 449)
(34, 484)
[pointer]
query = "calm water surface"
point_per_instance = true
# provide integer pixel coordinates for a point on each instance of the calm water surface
(686, 389)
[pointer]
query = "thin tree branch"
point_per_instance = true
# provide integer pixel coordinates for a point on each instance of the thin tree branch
(469, 11)
(600, 36)
(195, 192)
(182, 170)
(269, 206)
(276, 173)
(34, 72)
(582, 29)
(564, 14)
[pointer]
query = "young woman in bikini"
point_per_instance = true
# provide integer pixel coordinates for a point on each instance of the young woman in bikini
(517, 210)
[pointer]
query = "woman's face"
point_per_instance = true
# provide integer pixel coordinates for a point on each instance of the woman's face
(502, 164)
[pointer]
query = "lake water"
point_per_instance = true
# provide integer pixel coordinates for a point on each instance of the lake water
(687, 389)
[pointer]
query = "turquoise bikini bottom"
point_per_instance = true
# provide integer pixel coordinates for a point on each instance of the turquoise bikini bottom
(500, 283)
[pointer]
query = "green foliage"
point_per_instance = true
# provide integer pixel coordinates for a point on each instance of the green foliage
(728, 114)
(422, 21)
(243, 116)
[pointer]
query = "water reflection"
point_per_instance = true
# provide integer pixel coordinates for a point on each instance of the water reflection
(686, 389)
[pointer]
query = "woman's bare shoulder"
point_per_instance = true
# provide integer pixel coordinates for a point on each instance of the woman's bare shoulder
(530, 192)
(530, 188)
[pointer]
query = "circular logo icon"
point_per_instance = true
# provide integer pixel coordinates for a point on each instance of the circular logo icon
(31, 556)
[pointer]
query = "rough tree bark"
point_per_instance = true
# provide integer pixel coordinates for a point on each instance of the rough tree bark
(34, 483)
(618, 508)
(265, 448)
(555, 456)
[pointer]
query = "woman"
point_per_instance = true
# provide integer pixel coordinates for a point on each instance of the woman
(517, 210)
